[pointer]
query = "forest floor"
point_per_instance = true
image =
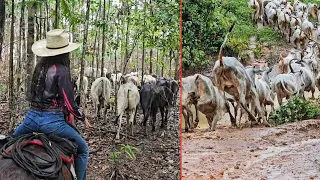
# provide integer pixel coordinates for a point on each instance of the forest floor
(158, 156)
(288, 151)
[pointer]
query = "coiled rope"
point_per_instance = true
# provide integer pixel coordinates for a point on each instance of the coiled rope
(48, 168)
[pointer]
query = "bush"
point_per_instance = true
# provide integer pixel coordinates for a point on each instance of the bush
(126, 151)
(296, 109)
(205, 24)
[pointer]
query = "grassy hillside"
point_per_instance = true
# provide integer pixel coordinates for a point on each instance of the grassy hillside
(205, 24)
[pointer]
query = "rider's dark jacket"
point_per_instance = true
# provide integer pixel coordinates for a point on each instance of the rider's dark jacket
(58, 92)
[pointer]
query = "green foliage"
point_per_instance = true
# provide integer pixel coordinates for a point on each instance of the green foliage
(2, 90)
(258, 51)
(296, 109)
(129, 151)
(126, 151)
(114, 157)
(112, 100)
(205, 24)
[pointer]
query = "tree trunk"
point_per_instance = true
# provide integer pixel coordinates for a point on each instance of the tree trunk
(170, 63)
(21, 46)
(82, 97)
(162, 64)
(115, 84)
(104, 29)
(103, 36)
(11, 98)
(127, 39)
(44, 21)
(56, 21)
(40, 24)
(30, 55)
(115, 66)
(98, 52)
(48, 19)
(151, 64)
(177, 68)
(95, 41)
(2, 21)
(37, 27)
(143, 37)
(157, 63)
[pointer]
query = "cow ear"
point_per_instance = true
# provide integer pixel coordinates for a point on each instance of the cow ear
(281, 59)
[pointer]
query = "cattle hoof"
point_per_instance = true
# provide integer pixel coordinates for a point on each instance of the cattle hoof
(196, 123)
(233, 124)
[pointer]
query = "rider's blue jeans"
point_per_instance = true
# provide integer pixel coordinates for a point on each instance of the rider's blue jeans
(54, 122)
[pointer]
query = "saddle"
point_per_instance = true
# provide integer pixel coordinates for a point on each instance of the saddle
(45, 162)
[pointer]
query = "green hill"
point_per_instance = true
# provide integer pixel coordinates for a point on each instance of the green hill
(205, 23)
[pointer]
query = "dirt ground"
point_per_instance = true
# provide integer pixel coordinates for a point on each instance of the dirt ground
(288, 151)
(158, 157)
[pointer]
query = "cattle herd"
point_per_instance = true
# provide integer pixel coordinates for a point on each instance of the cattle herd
(294, 22)
(153, 94)
(250, 88)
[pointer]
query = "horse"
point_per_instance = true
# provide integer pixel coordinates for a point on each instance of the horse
(36, 151)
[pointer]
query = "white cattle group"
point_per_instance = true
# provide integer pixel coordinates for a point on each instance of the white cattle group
(128, 92)
(231, 82)
(297, 23)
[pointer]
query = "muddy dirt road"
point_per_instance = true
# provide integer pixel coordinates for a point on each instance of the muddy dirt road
(289, 151)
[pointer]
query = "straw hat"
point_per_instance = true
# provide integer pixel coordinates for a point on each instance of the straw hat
(55, 44)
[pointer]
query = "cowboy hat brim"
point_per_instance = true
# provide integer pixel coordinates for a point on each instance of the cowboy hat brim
(39, 48)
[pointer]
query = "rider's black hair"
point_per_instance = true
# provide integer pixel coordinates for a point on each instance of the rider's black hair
(37, 85)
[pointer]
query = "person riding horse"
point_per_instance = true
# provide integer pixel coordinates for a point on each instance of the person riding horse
(50, 91)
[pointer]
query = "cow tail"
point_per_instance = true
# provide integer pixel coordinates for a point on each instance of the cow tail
(224, 44)
(104, 87)
(285, 88)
